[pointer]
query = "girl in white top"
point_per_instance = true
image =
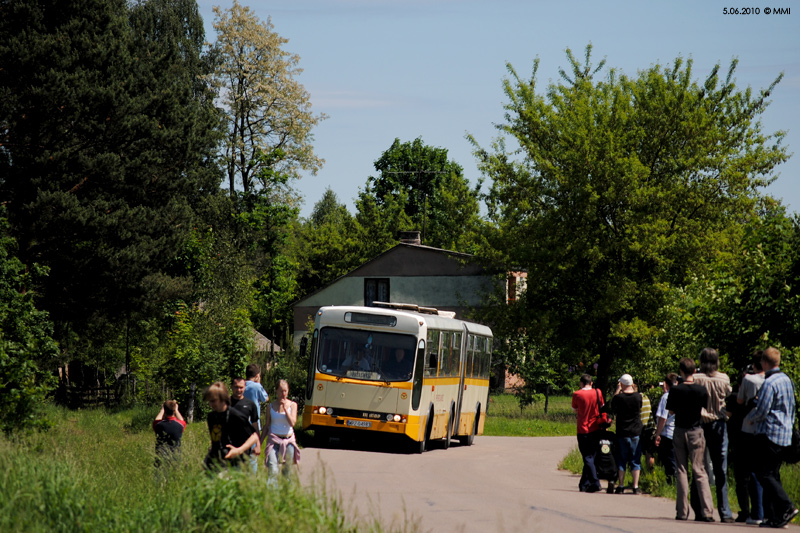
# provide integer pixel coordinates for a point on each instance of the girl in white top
(279, 432)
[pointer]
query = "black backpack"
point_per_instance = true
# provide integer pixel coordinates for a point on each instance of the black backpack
(604, 461)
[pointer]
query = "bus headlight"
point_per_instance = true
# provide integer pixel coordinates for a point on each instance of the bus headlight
(397, 418)
(323, 410)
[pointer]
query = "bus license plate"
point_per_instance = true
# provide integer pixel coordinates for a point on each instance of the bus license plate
(358, 423)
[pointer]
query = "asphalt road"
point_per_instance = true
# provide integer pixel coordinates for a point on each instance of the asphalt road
(503, 484)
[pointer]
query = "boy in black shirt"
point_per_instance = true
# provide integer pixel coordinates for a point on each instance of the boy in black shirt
(686, 400)
(249, 410)
(231, 432)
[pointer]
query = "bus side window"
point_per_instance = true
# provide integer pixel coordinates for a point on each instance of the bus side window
(456, 357)
(488, 358)
(432, 361)
(477, 369)
(446, 359)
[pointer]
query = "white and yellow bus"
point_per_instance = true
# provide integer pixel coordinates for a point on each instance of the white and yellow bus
(398, 369)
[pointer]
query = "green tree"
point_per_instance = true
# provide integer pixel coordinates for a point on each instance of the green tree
(431, 191)
(108, 139)
(327, 244)
(623, 188)
(26, 344)
(265, 107)
(750, 302)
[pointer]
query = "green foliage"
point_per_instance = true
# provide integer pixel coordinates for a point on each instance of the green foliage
(108, 140)
(265, 107)
(623, 188)
(327, 245)
(418, 188)
(25, 343)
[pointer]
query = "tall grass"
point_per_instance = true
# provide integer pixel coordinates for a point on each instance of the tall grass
(94, 472)
(505, 418)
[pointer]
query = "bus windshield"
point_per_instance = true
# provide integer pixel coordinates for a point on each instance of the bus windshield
(366, 355)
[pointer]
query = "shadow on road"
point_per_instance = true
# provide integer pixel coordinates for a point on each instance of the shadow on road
(367, 441)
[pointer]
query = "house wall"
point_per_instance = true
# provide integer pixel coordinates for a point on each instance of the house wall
(419, 275)
(448, 293)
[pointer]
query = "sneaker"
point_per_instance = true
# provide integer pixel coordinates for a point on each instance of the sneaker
(788, 517)
(753, 521)
(610, 489)
(727, 520)
(704, 519)
(766, 523)
(741, 517)
(681, 518)
(637, 490)
(619, 490)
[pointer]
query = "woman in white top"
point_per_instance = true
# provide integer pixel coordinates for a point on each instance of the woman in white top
(279, 432)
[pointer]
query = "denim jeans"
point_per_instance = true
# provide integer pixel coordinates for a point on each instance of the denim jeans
(273, 466)
(716, 434)
(629, 451)
(587, 445)
(748, 489)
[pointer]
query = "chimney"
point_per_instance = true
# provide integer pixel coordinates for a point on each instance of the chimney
(410, 237)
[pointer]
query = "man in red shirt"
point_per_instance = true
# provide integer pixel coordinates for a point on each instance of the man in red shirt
(586, 402)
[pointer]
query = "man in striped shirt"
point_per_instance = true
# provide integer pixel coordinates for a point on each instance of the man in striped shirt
(773, 418)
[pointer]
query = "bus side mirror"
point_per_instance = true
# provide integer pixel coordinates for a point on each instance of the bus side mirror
(303, 346)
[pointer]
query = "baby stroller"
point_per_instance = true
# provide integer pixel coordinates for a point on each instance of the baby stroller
(604, 461)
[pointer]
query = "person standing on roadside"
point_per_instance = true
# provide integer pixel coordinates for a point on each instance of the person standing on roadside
(279, 433)
(586, 402)
(748, 489)
(249, 410)
(715, 430)
(773, 418)
(686, 401)
(253, 390)
(665, 428)
(627, 406)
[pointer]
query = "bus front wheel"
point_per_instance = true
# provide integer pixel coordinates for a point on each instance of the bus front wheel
(422, 445)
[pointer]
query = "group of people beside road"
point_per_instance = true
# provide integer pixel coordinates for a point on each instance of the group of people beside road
(698, 421)
(234, 426)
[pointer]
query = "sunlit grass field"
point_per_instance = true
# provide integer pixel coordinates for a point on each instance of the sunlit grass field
(505, 418)
(94, 472)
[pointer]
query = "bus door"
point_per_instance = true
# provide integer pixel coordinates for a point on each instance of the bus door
(462, 344)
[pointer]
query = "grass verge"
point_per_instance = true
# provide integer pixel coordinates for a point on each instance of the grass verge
(94, 472)
(505, 418)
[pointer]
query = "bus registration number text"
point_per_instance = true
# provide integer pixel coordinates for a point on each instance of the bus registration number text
(359, 423)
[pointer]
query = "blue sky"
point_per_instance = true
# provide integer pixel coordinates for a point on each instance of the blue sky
(384, 69)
